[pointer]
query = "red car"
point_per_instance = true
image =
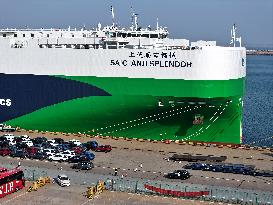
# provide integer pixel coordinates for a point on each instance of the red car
(31, 150)
(77, 150)
(5, 151)
(103, 148)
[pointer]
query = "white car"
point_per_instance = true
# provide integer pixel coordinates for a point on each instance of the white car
(11, 143)
(68, 153)
(9, 137)
(25, 137)
(48, 154)
(57, 157)
(52, 151)
(63, 180)
(52, 143)
(28, 143)
(76, 142)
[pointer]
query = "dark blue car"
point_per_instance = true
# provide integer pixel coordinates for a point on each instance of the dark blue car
(197, 166)
(89, 155)
(216, 168)
(227, 169)
(90, 145)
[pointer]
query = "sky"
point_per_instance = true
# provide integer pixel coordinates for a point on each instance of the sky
(190, 19)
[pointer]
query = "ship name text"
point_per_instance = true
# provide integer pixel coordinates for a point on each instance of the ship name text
(151, 59)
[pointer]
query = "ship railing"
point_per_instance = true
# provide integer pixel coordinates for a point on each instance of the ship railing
(99, 45)
(95, 46)
(41, 29)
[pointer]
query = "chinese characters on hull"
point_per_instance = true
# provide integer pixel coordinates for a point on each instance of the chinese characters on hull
(152, 59)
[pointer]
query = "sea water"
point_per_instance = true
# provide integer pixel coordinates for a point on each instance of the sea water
(258, 101)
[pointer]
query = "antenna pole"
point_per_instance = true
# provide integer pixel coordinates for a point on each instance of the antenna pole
(136, 23)
(234, 35)
(113, 16)
(132, 17)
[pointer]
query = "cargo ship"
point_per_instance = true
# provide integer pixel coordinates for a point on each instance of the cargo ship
(123, 82)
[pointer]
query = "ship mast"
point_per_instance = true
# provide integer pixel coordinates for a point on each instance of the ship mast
(233, 37)
(132, 17)
(134, 20)
(113, 16)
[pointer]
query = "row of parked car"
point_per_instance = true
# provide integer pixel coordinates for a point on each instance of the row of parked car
(229, 168)
(72, 151)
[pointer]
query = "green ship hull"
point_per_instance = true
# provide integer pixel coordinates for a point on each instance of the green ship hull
(156, 109)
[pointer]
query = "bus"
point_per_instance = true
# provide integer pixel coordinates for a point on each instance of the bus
(11, 181)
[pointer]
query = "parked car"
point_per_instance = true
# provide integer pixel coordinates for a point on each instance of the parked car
(263, 173)
(69, 145)
(53, 143)
(4, 144)
(228, 169)
(103, 148)
(267, 174)
(187, 166)
(28, 143)
(76, 142)
(49, 151)
(85, 165)
(39, 147)
(248, 171)
(78, 149)
(68, 153)
(62, 147)
(58, 157)
(19, 153)
(39, 140)
(89, 155)
(178, 174)
(18, 139)
(37, 155)
(197, 166)
(206, 167)
(45, 145)
(12, 143)
(31, 150)
(25, 137)
(2, 138)
(59, 140)
(238, 170)
(5, 151)
(9, 137)
(217, 168)
(77, 158)
(21, 145)
(63, 180)
(90, 145)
